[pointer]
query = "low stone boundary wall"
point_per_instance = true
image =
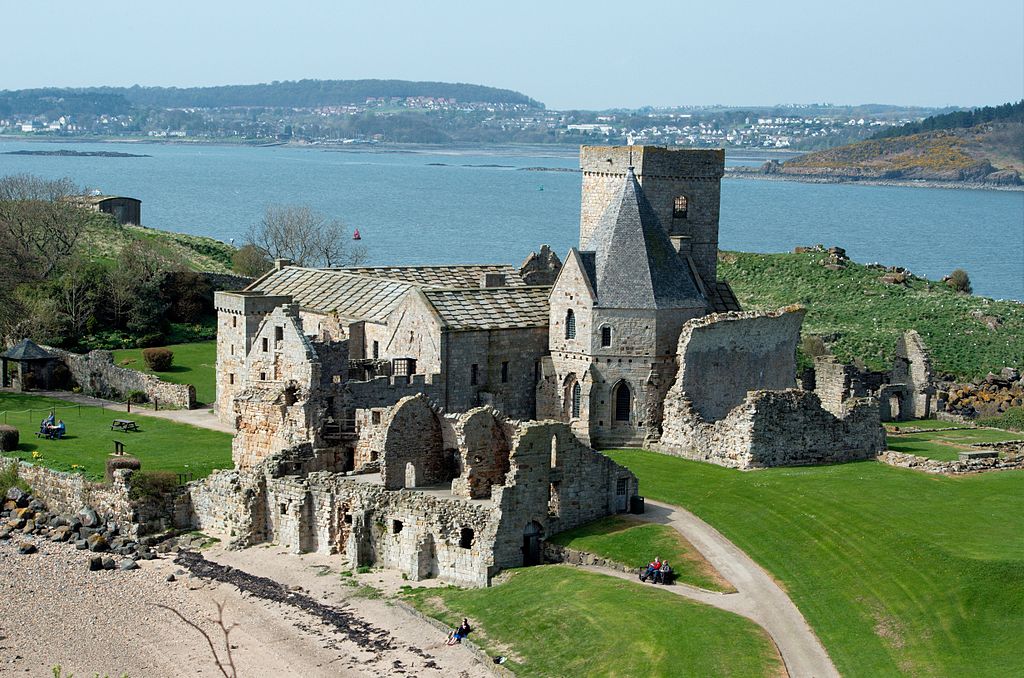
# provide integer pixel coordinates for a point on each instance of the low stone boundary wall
(68, 493)
(556, 553)
(955, 467)
(474, 649)
(97, 375)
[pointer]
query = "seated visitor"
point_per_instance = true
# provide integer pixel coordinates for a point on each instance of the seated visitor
(663, 574)
(58, 430)
(458, 634)
(652, 568)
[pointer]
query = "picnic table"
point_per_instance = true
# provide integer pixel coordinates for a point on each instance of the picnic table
(124, 425)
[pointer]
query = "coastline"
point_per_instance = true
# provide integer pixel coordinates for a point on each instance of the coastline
(734, 173)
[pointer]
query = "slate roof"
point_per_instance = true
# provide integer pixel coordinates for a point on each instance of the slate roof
(353, 297)
(26, 349)
(635, 265)
(467, 275)
(722, 298)
(494, 308)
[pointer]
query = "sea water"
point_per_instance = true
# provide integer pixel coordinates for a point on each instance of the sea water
(419, 206)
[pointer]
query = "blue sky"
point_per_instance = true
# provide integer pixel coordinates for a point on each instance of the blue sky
(591, 54)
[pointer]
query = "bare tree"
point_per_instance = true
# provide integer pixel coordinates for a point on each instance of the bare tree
(227, 664)
(40, 224)
(306, 237)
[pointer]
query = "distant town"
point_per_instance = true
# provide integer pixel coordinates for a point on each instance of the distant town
(274, 114)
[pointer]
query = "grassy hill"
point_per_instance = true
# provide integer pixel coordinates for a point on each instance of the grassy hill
(104, 239)
(991, 152)
(859, 316)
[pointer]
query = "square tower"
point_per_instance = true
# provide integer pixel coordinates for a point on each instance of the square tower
(683, 187)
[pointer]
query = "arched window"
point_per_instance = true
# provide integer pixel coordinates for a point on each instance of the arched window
(576, 400)
(606, 336)
(680, 206)
(623, 402)
(570, 324)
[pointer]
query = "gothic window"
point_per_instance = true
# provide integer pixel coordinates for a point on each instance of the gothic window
(570, 324)
(680, 207)
(576, 400)
(623, 401)
(504, 372)
(606, 336)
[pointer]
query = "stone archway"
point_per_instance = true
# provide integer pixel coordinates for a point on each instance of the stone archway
(622, 404)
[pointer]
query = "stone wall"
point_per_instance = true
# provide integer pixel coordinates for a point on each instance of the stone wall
(413, 451)
(724, 355)
(387, 391)
(224, 504)
(521, 349)
(774, 428)
(97, 375)
(954, 467)
(913, 366)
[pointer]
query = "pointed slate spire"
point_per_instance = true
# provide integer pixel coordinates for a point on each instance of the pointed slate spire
(635, 263)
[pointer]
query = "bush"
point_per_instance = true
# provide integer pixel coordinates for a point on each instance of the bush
(9, 438)
(1011, 420)
(146, 484)
(158, 359)
(137, 397)
(9, 478)
(960, 281)
(250, 261)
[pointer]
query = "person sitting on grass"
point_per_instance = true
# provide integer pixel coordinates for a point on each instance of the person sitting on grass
(652, 569)
(458, 634)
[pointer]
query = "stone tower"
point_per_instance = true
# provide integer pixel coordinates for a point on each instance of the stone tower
(683, 187)
(616, 311)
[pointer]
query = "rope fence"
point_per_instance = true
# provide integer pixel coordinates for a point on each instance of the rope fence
(14, 415)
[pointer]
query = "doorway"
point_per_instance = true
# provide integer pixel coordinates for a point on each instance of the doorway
(531, 544)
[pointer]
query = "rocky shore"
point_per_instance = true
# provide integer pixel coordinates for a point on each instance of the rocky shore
(758, 173)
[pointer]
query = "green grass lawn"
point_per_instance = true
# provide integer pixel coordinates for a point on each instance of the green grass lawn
(194, 364)
(925, 424)
(627, 541)
(159, 444)
(556, 620)
(946, 445)
(898, 572)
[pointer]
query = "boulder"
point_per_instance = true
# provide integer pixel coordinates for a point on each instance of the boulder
(61, 533)
(109, 563)
(97, 543)
(26, 547)
(95, 563)
(1009, 374)
(88, 517)
(5, 533)
(128, 564)
(18, 496)
(81, 544)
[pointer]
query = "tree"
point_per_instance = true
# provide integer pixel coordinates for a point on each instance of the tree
(305, 236)
(960, 281)
(250, 261)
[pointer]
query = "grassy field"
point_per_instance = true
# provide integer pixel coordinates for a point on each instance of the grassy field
(556, 620)
(946, 445)
(104, 239)
(865, 316)
(159, 444)
(628, 541)
(194, 364)
(898, 572)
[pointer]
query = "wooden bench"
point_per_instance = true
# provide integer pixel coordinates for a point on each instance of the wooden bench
(124, 425)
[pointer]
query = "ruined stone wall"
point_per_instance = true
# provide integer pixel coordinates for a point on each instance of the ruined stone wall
(834, 383)
(483, 439)
(270, 418)
(97, 375)
(387, 391)
(413, 449)
(913, 366)
(954, 466)
(774, 428)
(664, 174)
(724, 355)
(520, 348)
(224, 505)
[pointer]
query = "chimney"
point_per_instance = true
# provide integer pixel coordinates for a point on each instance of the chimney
(489, 280)
(281, 263)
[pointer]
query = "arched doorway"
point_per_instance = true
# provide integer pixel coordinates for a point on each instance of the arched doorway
(622, 402)
(531, 544)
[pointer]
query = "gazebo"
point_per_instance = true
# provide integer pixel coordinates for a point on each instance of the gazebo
(34, 366)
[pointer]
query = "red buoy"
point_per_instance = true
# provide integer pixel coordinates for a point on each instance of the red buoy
(356, 236)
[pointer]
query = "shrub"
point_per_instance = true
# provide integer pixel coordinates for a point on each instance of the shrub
(960, 281)
(118, 463)
(158, 359)
(250, 261)
(146, 484)
(1011, 420)
(9, 438)
(137, 397)
(9, 478)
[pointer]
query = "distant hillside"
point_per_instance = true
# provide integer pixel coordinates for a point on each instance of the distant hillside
(958, 120)
(859, 315)
(103, 240)
(987, 153)
(308, 93)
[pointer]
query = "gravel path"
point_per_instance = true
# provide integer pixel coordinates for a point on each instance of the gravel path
(758, 597)
(54, 611)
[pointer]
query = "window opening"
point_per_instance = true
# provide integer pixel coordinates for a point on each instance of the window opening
(504, 372)
(622, 402)
(376, 350)
(606, 336)
(396, 526)
(680, 207)
(266, 344)
(576, 391)
(570, 324)
(473, 374)
(466, 538)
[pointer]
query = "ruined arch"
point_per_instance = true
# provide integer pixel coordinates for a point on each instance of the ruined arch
(485, 450)
(413, 449)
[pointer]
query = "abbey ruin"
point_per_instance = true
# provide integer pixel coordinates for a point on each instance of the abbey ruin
(442, 420)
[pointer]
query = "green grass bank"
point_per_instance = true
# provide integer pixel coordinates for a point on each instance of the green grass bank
(898, 572)
(194, 363)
